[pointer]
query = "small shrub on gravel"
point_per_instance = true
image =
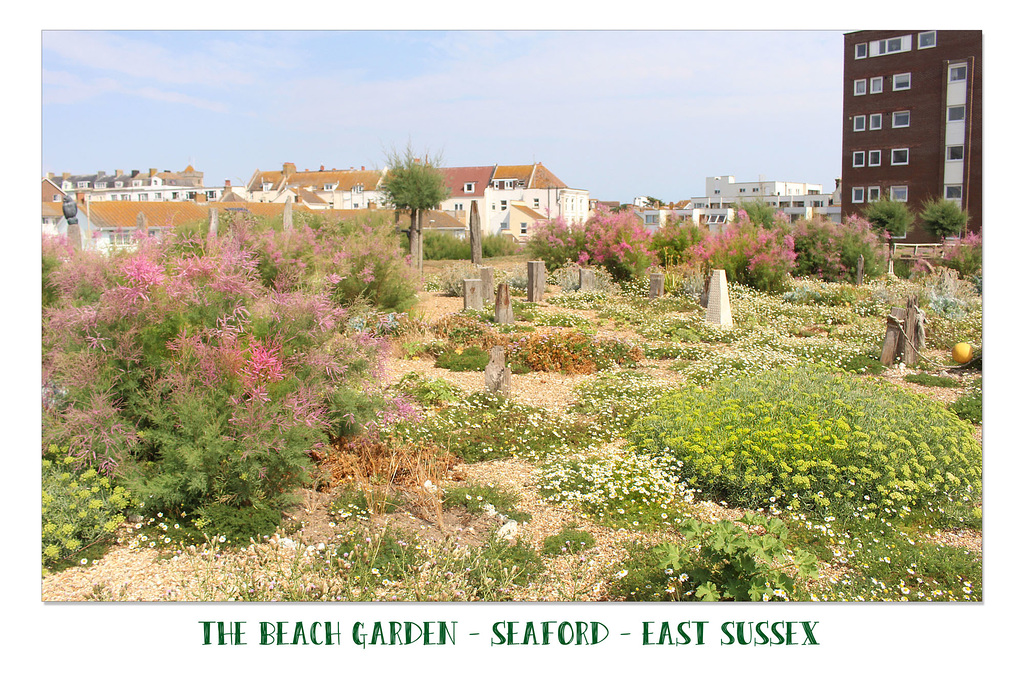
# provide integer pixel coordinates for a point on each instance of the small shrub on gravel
(469, 359)
(568, 540)
(842, 446)
(926, 380)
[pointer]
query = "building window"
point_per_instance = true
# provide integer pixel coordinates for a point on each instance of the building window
(458, 206)
(898, 193)
(874, 194)
(118, 184)
(956, 113)
(859, 123)
(901, 82)
(157, 195)
(860, 50)
(901, 119)
(860, 87)
(875, 157)
(875, 122)
(329, 187)
(469, 187)
(858, 159)
(957, 72)
(82, 184)
(536, 202)
(900, 157)
(877, 85)
(143, 197)
(858, 195)
(891, 45)
(925, 40)
(954, 192)
(504, 204)
(266, 187)
(358, 188)
(101, 186)
(955, 153)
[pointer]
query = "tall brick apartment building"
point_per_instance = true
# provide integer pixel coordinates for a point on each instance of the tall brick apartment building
(912, 121)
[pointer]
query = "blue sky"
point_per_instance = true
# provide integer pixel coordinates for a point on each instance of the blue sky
(618, 113)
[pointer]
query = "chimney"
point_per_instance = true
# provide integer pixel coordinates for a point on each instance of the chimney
(362, 168)
(100, 174)
(119, 172)
(152, 172)
(289, 168)
(64, 175)
(321, 167)
(49, 175)
(227, 183)
(135, 172)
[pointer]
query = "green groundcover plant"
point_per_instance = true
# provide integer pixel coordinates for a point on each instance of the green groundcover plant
(831, 443)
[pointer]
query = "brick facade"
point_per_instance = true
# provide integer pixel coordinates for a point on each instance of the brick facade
(912, 79)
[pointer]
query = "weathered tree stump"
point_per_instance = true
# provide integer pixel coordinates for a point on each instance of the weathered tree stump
(503, 305)
(476, 253)
(904, 334)
(472, 295)
(860, 270)
(657, 285)
(535, 280)
(497, 375)
(487, 280)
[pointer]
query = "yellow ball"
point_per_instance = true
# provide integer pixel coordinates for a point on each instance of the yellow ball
(962, 353)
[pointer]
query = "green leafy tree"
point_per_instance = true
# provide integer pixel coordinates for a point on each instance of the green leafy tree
(943, 218)
(890, 217)
(415, 184)
(759, 213)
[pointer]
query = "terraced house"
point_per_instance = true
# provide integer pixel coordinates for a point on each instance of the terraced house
(138, 186)
(912, 121)
(321, 189)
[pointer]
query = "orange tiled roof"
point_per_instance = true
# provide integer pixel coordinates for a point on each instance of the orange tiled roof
(53, 209)
(545, 178)
(158, 214)
(344, 179)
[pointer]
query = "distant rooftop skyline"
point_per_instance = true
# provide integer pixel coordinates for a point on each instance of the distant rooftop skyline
(618, 113)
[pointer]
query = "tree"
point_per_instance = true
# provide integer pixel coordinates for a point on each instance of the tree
(943, 218)
(415, 184)
(889, 217)
(759, 212)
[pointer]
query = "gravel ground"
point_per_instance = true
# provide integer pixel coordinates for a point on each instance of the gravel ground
(131, 573)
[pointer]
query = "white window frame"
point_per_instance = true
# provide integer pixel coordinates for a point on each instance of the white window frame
(875, 122)
(875, 157)
(859, 123)
(874, 193)
(963, 113)
(959, 192)
(895, 124)
(862, 159)
(536, 202)
(504, 204)
(892, 156)
(950, 153)
(955, 69)
(895, 86)
(860, 87)
(898, 193)
(860, 51)
(469, 187)
(877, 85)
(857, 195)
(921, 38)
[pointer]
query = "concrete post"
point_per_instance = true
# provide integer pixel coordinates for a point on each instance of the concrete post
(472, 295)
(657, 285)
(487, 284)
(719, 312)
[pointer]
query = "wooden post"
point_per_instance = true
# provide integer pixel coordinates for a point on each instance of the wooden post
(487, 280)
(657, 285)
(913, 328)
(288, 224)
(893, 332)
(476, 253)
(535, 280)
(503, 305)
(472, 295)
(213, 223)
(497, 375)
(860, 270)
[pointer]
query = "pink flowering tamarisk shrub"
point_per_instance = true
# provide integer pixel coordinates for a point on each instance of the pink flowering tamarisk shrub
(179, 371)
(750, 254)
(617, 241)
(829, 250)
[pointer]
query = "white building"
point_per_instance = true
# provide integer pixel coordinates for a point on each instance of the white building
(138, 186)
(796, 200)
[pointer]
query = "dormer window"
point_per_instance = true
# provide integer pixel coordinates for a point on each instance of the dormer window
(329, 187)
(266, 187)
(469, 187)
(358, 188)
(101, 186)
(82, 184)
(136, 183)
(118, 184)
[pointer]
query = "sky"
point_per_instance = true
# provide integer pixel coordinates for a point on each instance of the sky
(618, 113)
